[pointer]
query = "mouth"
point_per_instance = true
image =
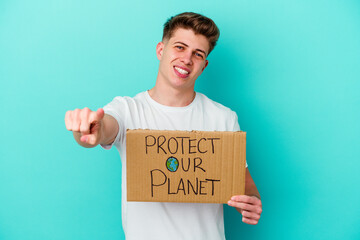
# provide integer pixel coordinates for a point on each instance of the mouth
(181, 72)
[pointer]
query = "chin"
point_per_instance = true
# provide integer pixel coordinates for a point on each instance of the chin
(181, 84)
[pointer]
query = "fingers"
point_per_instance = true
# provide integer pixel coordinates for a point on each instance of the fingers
(100, 112)
(89, 138)
(249, 206)
(250, 221)
(246, 199)
(84, 138)
(68, 117)
(245, 206)
(72, 120)
(250, 215)
(80, 120)
(96, 116)
(84, 120)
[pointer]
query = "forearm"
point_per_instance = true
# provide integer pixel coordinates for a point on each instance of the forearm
(250, 187)
(109, 130)
(248, 205)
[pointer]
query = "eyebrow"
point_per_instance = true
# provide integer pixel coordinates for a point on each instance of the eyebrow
(188, 46)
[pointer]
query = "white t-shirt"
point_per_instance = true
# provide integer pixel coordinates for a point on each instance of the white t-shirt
(155, 220)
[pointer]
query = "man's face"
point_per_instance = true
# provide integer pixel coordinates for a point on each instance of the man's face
(182, 58)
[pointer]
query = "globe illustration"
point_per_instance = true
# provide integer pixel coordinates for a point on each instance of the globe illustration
(172, 164)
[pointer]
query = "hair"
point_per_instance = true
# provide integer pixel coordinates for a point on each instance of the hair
(196, 22)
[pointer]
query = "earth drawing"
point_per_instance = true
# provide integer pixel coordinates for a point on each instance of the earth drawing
(172, 164)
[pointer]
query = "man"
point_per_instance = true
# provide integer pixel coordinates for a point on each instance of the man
(172, 104)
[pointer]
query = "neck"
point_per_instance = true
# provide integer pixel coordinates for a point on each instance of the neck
(172, 97)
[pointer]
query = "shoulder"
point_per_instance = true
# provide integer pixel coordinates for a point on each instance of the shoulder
(122, 106)
(127, 101)
(212, 105)
(223, 117)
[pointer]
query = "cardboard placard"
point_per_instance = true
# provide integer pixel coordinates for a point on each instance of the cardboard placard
(185, 166)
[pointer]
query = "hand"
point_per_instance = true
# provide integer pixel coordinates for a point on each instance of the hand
(85, 124)
(249, 206)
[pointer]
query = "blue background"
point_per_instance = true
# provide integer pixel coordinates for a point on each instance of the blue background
(290, 69)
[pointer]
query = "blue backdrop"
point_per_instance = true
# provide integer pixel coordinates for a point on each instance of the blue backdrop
(290, 69)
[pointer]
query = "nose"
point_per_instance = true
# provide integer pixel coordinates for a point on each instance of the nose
(187, 58)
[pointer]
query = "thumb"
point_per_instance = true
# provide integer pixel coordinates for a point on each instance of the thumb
(89, 139)
(84, 138)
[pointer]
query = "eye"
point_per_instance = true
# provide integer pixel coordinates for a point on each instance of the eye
(199, 55)
(179, 47)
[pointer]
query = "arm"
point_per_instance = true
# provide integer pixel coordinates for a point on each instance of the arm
(250, 187)
(91, 128)
(249, 205)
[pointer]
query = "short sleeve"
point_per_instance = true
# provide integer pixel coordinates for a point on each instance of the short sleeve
(236, 123)
(116, 108)
(237, 128)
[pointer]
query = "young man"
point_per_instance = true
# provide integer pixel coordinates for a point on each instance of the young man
(172, 104)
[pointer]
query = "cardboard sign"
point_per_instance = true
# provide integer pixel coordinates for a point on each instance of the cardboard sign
(184, 166)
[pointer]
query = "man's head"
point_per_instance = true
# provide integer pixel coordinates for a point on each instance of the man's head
(197, 23)
(187, 41)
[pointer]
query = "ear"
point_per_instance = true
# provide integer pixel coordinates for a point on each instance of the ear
(159, 50)
(206, 63)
